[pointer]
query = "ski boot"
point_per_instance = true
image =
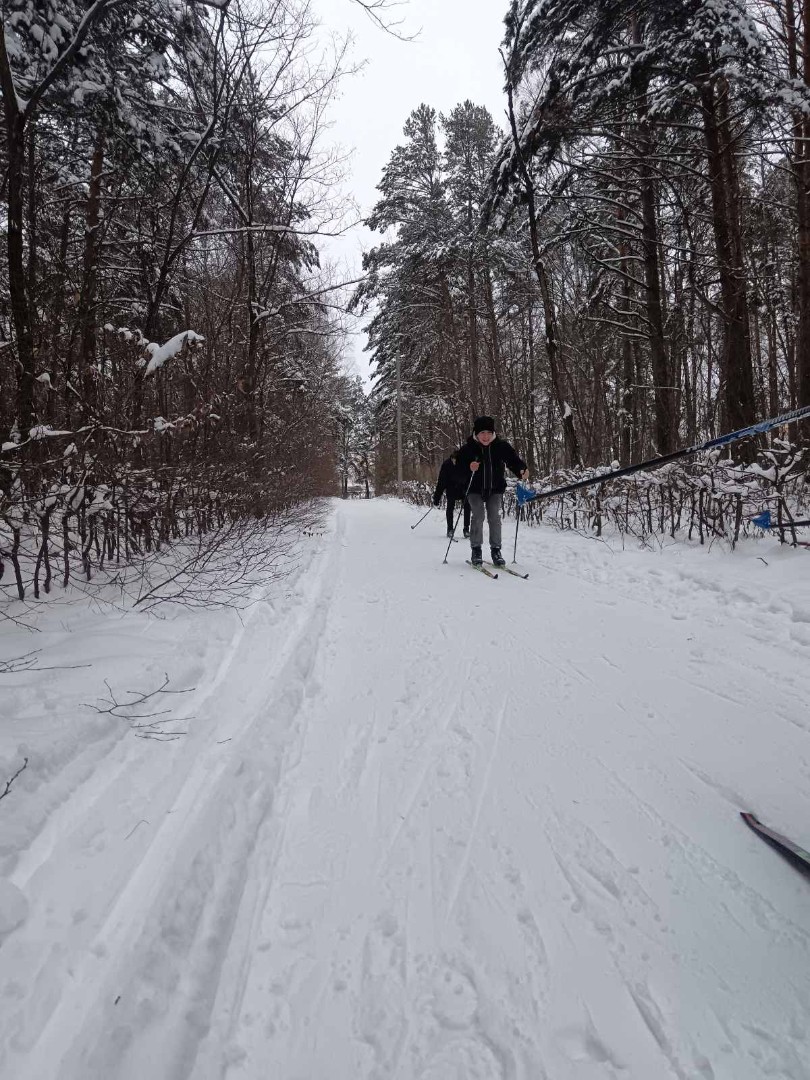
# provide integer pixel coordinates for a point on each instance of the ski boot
(497, 558)
(476, 558)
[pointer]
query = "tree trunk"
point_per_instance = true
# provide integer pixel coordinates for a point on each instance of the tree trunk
(572, 451)
(86, 313)
(665, 413)
(666, 417)
(736, 369)
(531, 460)
(801, 177)
(15, 248)
(497, 362)
(472, 330)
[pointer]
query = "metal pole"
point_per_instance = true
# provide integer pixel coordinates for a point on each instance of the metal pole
(458, 517)
(399, 424)
(422, 518)
(722, 440)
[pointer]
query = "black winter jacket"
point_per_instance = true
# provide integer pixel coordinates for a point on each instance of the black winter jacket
(448, 482)
(491, 476)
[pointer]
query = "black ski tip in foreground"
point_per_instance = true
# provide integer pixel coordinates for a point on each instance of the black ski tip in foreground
(792, 852)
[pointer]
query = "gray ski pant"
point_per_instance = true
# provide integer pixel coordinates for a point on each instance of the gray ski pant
(492, 506)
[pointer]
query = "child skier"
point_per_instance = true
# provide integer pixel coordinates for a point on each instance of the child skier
(448, 484)
(486, 455)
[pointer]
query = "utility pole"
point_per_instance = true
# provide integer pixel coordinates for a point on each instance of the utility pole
(399, 424)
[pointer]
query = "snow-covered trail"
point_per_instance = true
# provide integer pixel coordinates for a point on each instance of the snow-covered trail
(435, 827)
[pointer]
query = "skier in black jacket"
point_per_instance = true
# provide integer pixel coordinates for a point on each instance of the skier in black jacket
(487, 456)
(448, 484)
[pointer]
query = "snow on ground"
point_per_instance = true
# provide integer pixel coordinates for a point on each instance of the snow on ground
(424, 826)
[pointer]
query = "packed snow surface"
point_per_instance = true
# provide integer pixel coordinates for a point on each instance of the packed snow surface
(423, 826)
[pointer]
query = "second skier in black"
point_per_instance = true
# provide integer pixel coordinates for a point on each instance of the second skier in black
(451, 486)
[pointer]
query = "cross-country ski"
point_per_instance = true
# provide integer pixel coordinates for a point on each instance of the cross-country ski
(513, 572)
(490, 573)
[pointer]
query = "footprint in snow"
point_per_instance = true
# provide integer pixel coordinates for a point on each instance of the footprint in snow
(13, 907)
(463, 1059)
(380, 1020)
(454, 1000)
(583, 1044)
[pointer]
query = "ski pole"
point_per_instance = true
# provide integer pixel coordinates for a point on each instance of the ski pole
(518, 510)
(458, 516)
(654, 463)
(422, 518)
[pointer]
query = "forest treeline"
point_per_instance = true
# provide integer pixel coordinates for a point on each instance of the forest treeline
(621, 264)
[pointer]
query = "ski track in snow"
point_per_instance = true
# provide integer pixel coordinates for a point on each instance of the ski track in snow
(431, 827)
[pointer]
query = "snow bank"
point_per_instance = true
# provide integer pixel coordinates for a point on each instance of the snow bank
(13, 907)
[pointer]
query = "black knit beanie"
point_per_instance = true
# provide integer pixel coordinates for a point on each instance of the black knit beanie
(483, 423)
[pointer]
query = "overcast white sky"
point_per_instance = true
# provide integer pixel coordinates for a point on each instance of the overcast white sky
(454, 57)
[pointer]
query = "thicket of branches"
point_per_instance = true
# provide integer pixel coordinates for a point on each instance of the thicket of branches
(625, 266)
(169, 343)
(704, 499)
